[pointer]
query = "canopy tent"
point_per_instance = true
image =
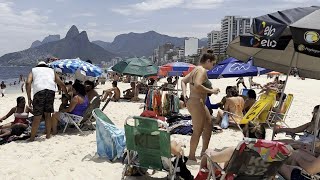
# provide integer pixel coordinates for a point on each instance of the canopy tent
(232, 67)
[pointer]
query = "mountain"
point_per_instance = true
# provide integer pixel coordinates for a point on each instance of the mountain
(47, 39)
(74, 45)
(140, 44)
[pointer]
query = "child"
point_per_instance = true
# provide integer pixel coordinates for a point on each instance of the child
(64, 103)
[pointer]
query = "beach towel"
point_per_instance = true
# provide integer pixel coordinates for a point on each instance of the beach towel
(110, 140)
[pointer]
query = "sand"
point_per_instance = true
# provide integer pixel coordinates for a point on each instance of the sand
(72, 156)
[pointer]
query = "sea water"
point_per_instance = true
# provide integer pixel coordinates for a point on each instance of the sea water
(11, 74)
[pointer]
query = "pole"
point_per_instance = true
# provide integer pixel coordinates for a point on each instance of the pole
(315, 131)
(282, 92)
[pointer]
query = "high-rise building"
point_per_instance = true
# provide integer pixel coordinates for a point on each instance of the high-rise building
(233, 26)
(214, 42)
(191, 46)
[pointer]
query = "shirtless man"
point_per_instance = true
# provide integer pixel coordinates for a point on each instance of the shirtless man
(132, 92)
(113, 92)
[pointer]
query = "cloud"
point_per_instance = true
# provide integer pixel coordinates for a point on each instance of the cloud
(92, 24)
(207, 26)
(23, 27)
(147, 6)
(203, 4)
(87, 14)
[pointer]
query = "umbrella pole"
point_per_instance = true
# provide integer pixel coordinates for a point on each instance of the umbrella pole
(282, 92)
(315, 131)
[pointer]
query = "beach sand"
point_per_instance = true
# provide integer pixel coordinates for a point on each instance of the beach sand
(72, 156)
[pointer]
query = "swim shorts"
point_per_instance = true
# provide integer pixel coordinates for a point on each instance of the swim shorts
(43, 102)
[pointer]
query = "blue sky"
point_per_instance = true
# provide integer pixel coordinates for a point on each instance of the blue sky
(24, 21)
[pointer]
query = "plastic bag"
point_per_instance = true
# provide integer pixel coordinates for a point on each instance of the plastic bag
(225, 121)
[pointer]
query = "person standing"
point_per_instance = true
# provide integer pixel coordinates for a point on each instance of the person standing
(200, 87)
(240, 81)
(3, 87)
(22, 81)
(43, 80)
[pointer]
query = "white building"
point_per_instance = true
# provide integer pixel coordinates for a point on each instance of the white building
(233, 26)
(191, 46)
(214, 42)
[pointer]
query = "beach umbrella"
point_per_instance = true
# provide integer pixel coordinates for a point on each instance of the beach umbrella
(137, 67)
(232, 67)
(283, 40)
(177, 68)
(73, 66)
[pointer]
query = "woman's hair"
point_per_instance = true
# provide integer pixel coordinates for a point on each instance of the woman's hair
(233, 91)
(228, 88)
(90, 83)
(256, 131)
(20, 99)
(207, 56)
(80, 89)
(252, 94)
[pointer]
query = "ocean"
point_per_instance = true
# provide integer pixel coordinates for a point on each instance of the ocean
(10, 74)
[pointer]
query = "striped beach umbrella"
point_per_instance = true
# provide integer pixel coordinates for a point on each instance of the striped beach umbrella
(177, 68)
(71, 66)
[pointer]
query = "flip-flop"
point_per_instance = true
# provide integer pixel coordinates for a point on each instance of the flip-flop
(217, 129)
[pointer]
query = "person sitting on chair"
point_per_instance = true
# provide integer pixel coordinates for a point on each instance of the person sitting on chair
(308, 128)
(113, 92)
(250, 100)
(78, 105)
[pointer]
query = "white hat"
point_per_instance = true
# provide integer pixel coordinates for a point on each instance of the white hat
(42, 63)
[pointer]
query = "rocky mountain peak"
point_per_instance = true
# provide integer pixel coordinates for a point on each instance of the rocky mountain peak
(73, 32)
(83, 37)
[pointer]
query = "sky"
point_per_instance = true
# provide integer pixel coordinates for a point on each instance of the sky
(24, 21)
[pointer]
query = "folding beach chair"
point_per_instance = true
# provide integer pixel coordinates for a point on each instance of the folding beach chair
(260, 110)
(87, 116)
(273, 116)
(252, 159)
(110, 139)
(150, 145)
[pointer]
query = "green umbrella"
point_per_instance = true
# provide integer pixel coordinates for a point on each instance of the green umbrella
(136, 67)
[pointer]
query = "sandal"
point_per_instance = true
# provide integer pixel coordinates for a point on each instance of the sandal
(217, 129)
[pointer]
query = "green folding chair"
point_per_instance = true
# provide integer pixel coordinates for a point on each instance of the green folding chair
(150, 144)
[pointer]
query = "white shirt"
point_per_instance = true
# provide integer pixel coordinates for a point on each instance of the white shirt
(43, 78)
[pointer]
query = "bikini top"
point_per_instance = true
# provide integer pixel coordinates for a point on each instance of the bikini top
(23, 115)
(207, 83)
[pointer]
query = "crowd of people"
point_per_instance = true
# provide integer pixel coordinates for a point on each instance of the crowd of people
(232, 109)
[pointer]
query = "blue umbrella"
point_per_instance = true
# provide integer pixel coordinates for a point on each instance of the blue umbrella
(70, 66)
(232, 67)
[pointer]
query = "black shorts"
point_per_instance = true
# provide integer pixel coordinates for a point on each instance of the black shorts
(43, 102)
(296, 175)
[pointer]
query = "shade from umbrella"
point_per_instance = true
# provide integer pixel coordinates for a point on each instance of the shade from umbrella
(71, 66)
(177, 68)
(136, 67)
(232, 67)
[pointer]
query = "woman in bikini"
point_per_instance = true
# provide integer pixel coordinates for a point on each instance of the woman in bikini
(79, 104)
(234, 105)
(200, 87)
(20, 113)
